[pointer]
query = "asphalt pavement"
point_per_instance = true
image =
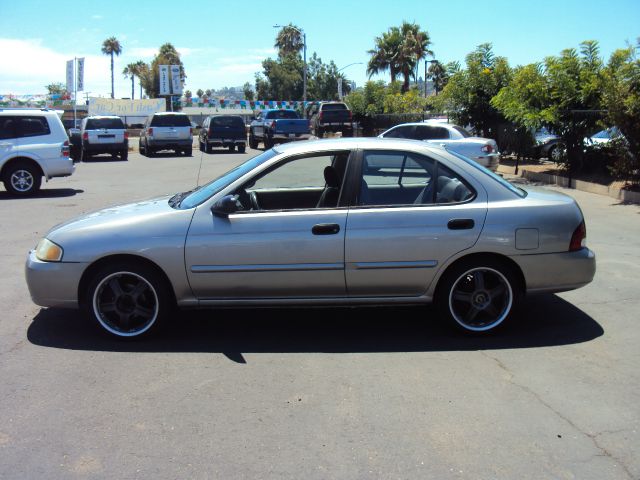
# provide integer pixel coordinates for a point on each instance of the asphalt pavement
(316, 393)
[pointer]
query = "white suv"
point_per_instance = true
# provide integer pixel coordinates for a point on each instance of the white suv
(33, 144)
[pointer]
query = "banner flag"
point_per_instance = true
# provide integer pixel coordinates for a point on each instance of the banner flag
(80, 76)
(70, 76)
(164, 80)
(176, 80)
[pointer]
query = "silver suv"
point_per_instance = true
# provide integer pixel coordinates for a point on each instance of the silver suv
(33, 144)
(104, 134)
(167, 131)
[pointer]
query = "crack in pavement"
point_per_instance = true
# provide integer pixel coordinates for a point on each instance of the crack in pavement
(591, 436)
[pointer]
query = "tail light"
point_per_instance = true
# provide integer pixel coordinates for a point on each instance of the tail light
(85, 136)
(271, 125)
(126, 135)
(191, 131)
(487, 148)
(65, 149)
(150, 132)
(579, 238)
(320, 115)
(350, 115)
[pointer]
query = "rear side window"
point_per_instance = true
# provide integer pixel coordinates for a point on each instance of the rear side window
(99, 123)
(8, 127)
(33, 126)
(235, 122)
(170, 121)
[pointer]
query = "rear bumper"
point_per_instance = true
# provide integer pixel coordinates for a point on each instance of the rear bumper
(60, 167)
(169, 143)
(226, 142)
(491, 161)
(289, 137)
(336, 127)
(105, 147)
(557, 272)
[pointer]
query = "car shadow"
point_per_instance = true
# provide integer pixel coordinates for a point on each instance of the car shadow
(102, 159)
(167, 154)
(543, 321)
(43, 193)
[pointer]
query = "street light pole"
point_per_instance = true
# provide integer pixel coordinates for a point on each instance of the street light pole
(304, 50)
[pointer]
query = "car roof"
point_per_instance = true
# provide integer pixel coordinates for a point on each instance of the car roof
(359, 142)
(169, 113)
(28, 111)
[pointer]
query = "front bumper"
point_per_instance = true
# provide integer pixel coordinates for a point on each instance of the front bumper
(557, 272)
(53, 284)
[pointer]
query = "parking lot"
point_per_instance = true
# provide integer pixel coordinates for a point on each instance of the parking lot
(316, 393)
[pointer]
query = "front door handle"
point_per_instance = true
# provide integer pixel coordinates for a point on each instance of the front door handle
(325, 229)
(461, 224)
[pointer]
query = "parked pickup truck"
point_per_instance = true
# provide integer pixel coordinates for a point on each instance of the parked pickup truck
(456, 139)
(277, 126)
(330, 117)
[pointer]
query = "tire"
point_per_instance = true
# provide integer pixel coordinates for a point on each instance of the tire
(188, 152)
(124, 155)
(555, 153)
(200, 146)
(478, 295)
(128, 300)
(142, 149)
(319, 132)
(241, 149)
(84, 155)
(208, 148)
(268, 143)
(22, 179)
(232, 148)
(253, 143)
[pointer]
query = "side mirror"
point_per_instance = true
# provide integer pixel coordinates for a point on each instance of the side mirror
(226, 206)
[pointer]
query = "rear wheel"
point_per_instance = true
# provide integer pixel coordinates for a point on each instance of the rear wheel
(142, 149)
(128, 300)
(124, 155)
(241, 149)
(478, 295)
(188, 152)
(319, 132)
(232, 148)
(22, 179)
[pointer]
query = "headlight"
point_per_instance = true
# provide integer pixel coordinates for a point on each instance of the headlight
(47, 251)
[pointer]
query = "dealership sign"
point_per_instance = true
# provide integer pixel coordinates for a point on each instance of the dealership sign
(123, 108)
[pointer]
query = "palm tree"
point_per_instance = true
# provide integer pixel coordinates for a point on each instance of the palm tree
(289, 40)
(383, 55)
(438, 73)
(135, 70)
(111, 46)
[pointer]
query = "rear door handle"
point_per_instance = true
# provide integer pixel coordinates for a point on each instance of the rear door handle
(461, 224)
(325, 229)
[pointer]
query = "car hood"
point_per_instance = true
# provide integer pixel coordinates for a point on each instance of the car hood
(122, 228)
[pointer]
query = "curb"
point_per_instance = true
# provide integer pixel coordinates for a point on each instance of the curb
(551, 179)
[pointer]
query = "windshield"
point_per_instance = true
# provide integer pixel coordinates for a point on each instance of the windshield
(205, 192)
(518, 191)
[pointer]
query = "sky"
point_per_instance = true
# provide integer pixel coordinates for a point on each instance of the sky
(222, 44)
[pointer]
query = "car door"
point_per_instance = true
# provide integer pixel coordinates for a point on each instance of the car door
(287, 248)
(410, 216)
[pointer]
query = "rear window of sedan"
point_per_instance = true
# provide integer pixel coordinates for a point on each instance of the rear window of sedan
(99, 123)
(227, 122)
(170, 121)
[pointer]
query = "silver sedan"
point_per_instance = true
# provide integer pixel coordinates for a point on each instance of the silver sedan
(330, 222)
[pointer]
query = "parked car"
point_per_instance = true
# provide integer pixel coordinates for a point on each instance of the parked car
(603, 136)
(227, 131)
(455, 138)
(277, 126)
(548, 145)
(330, 117)
(431, 226)
(100, 134)
(33, 144)
(166, 131)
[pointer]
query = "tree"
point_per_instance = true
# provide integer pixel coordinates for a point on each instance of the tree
(289, 40)
(439, 75)
(468, 93)
(399, 50)
(56, 88)
(150, 79)
(248, 91)
(111, 46)
(199, 93)
(281, 78)
(621, 98)
(134, 70)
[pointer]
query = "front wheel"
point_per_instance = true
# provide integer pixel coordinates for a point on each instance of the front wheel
(127, 300)
(22, 179)
(478, 296)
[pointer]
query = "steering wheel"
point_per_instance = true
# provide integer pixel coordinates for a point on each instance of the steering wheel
(254, 201)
